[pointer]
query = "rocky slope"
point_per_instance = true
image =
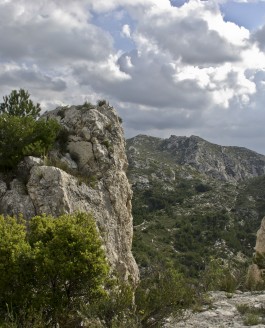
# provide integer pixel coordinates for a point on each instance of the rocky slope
(193, 199)
(86, 171)
(224, 163)
(225, 310)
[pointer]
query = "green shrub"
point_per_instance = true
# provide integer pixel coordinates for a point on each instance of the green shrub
(48, 268)
(162, 293)
(21, 134)
(116, 308)
(251, 319)
(223, 275)
(88, 105)
(251, 315)
(101, 102)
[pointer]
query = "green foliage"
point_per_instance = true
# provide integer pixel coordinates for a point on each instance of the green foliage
(201, 187)
(20, 133)
(259, 259)
(48, 269)
(223, 275)
(252, 319)
(15, 264)
(162, 293)
(23, 136)
(88, 105)
(251, 315)
(115, 308)
(101, 102)
(19, 104)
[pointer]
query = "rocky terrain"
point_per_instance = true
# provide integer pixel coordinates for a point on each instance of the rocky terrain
(193, 200)
(86, 171)
(237, 310)
(220, 162)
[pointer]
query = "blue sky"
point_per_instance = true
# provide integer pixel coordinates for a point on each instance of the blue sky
(169, 67)
(249, 14)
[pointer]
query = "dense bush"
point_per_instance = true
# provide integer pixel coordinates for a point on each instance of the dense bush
(21, 132)
(49, 268)
(53, 272)
(162, 293)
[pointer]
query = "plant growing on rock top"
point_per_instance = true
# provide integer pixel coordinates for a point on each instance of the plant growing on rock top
(22, 133)
(101, 102)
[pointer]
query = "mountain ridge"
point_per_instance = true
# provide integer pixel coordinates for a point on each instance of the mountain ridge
(228, 163)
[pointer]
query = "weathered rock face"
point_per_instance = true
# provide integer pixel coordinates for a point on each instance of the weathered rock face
(219, 162)
(260, 242)
(256, 271)
(225, 163)
(91, 177)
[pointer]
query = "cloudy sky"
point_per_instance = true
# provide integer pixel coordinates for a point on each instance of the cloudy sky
(168, 66)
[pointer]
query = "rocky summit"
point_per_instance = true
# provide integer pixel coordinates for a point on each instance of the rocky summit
(86, 171)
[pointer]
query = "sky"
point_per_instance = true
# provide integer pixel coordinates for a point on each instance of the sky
(169, 67)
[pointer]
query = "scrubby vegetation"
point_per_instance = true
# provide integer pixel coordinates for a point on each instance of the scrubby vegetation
(53, 271)
(187, 216)
(22, 132)
(48, 268)
(188, 233)
(251, 315)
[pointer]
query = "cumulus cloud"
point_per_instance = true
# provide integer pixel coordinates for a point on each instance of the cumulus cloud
(259, 36)
(187, 70)
(32, 31)
(29, 77)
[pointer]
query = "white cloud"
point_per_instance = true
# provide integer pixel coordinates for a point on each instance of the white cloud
(126, 31)
(190, 71)
(104, 6)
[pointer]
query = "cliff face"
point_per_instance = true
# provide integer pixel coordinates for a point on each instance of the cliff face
(85, 172)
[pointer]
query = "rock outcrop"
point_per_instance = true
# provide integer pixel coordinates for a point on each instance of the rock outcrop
(86, 171)
(256, 271)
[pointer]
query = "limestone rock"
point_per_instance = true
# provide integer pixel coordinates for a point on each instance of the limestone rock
(222, 312)
(224, 163)
(256, 271)
(260, 242)
(90, 177)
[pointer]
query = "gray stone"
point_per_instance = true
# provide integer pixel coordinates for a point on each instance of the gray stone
(222, 312)
(97, 153)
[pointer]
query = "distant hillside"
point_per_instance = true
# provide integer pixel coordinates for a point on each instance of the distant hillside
(220, 162)
(193, 199)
